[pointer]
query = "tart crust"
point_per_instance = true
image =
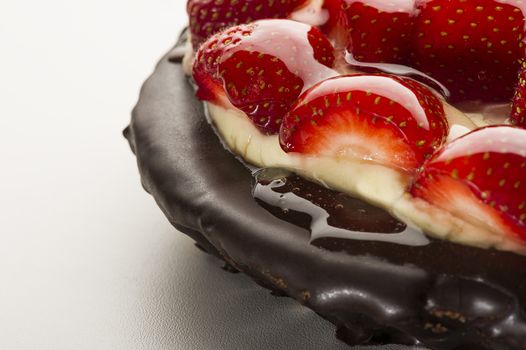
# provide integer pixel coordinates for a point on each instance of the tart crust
(443, 295)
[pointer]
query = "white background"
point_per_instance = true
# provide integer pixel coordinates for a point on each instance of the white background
(87, 261)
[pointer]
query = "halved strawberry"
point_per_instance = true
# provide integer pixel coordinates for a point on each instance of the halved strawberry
(472, 47)
(385, 119)
(481, 178)
(518, 109)
(262, 67)
(208, 17)
(372, 31)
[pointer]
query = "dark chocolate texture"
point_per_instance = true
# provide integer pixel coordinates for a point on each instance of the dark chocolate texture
(442, 295)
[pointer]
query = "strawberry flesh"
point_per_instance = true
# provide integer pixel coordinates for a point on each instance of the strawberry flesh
(208, 17)
(386, 119)
(481, 178)
(261, 68)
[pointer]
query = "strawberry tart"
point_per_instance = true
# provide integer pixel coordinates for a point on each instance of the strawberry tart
(365, 157)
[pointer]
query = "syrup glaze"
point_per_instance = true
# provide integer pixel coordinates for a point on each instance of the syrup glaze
(443, 295)
(267, 38)
(332, 214)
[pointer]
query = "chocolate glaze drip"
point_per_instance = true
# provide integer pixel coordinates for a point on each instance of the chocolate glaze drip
(442, 295)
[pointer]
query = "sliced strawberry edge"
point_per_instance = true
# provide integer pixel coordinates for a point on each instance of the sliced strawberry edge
(369, 122)
(464, 201)
(376, 139)
(485, 167)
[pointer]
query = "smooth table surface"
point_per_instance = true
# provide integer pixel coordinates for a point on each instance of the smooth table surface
(87, 260)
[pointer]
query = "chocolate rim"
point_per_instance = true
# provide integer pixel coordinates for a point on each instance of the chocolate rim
(373, 292)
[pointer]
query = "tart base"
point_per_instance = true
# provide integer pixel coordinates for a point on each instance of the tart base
(443, 295)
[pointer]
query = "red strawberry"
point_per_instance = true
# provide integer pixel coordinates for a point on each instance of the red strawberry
(208, 17)
(336, 26)
(393, 121)
(372, 31)
(206, 65)
(262, 68)
(480, 177)
(472, 47)
(518, 110)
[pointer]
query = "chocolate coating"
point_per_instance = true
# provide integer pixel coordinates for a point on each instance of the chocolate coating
(443, 295)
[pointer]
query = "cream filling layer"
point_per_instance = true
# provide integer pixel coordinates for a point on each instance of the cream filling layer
(374, 183)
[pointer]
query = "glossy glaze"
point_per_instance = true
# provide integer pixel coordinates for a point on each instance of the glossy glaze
(332, 214)
(289, 42)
